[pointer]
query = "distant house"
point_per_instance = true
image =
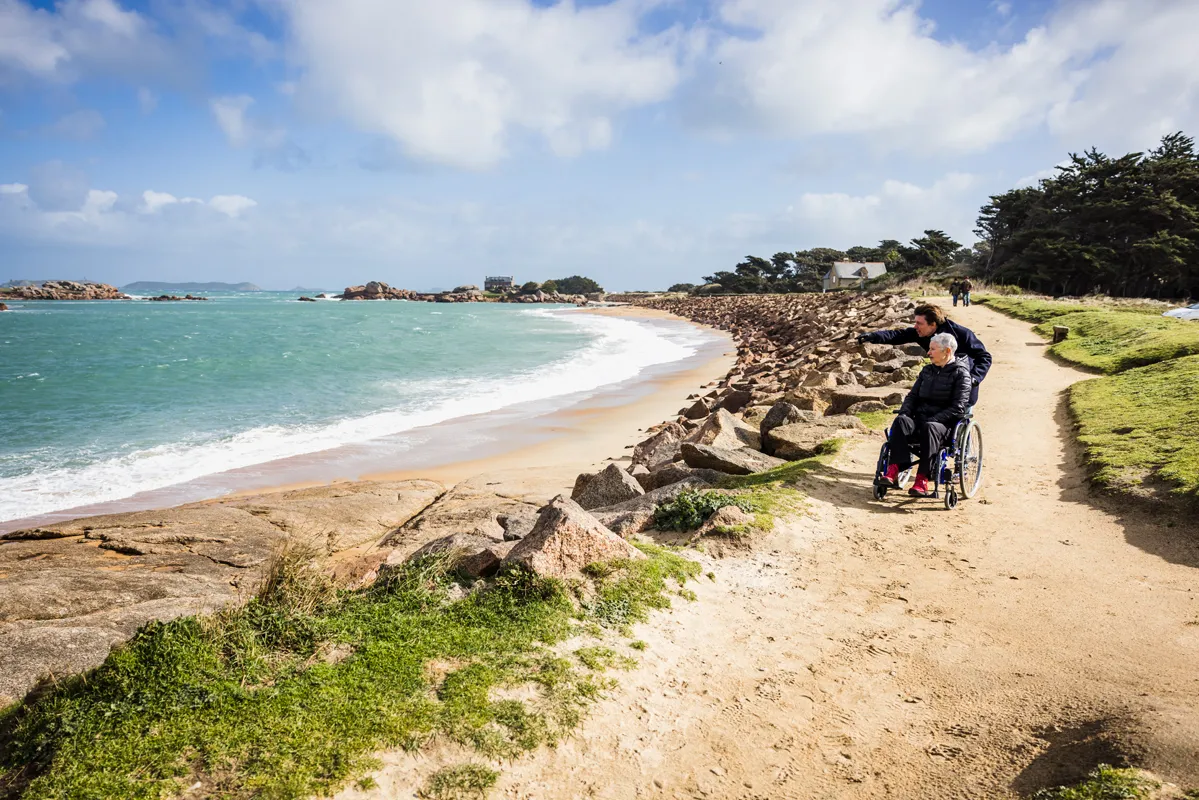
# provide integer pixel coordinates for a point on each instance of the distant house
(497, 283)
(845, 274)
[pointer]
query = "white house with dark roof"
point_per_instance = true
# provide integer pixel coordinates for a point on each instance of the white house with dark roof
(846, 274)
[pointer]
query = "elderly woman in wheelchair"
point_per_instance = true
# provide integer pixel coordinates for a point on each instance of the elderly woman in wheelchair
(935, 430)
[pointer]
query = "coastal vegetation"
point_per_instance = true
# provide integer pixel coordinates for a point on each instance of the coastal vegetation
(1139, 425)
(1125, 226)
(292, 693)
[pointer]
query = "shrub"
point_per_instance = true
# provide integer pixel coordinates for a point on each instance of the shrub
(530, 287)
(550, 286)
(691, 508)
(577, 284)
(682, 287)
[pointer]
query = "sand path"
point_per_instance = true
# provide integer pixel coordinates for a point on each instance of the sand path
(897, 649)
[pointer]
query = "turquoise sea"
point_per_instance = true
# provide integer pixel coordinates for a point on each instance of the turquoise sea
(101, 401)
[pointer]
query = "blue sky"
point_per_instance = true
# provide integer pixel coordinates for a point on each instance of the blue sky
(642, 142)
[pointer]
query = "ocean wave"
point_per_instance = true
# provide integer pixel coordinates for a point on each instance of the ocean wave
(618, 351)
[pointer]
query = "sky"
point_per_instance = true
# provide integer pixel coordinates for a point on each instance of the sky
(323, 143)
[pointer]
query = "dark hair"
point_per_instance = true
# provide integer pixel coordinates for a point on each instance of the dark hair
(934, 314)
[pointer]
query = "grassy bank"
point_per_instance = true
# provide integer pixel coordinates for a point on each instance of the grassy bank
(1043, 309)
(1113, 341)
(1139, 426)
(292, 694)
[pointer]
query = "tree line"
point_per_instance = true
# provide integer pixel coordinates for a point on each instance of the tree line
(1126, 226)
(803, 270)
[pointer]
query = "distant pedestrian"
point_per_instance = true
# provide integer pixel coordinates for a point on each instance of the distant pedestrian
(964, 287)
(955, 289)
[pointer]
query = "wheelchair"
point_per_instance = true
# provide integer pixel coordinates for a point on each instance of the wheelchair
(958, 468)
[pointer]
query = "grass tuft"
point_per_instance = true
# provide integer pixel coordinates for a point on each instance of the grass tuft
(1104, 783)
(691, 508)
(459, 782)
(290, 695)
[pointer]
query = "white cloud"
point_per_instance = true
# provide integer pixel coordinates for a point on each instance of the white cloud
(454, 82)
(230, 113)
(77, 37)
(896, 210)
(13, 188)
(1108, 70)
(231, 205)
(153, 201)
(78, 125)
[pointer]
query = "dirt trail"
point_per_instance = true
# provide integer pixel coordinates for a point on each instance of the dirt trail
(897, 649)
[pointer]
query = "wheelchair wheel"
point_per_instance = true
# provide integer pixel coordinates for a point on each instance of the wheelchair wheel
(879, 492)
(970, 460)
(951, 498)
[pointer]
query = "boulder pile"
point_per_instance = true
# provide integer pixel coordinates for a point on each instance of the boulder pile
(801, 377)
(172, 297)
(64, 290)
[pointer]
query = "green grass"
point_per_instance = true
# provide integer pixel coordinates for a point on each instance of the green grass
(1043, 309)
(287, 697)
(691, 508)
(1104, 783)
(877, 420)
(459, 782)
(1142, 424)
(1113, 341)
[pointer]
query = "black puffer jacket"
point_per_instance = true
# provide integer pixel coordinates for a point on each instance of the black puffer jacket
(940, 394)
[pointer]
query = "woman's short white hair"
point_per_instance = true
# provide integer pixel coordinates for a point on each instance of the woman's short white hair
(946, 341)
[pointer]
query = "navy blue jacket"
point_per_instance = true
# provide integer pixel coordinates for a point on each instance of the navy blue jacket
(978, 359)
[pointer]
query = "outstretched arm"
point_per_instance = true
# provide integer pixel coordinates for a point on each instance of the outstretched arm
(895, 336)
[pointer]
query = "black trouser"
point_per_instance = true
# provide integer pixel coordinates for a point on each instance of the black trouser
(929, 437)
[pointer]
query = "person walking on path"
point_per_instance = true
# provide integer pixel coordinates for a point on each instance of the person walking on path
(954, 289)
(964, 287)
(929, 320)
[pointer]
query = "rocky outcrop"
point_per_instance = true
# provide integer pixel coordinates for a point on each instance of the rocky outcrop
(566, 539)
(375, 290)
(607, 487)
(74, 589)
(674, 472)
(661, 448)
(807, 439)
(64, 290)
(3, 307)
(740, 461)
(728, 520)
(305, 299)
(723, 430)
(163, 298)
(633, 516)
(474, 556)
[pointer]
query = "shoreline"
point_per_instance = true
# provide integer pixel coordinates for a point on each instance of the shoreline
(595, 428)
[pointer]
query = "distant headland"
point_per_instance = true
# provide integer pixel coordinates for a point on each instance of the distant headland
(144, 287)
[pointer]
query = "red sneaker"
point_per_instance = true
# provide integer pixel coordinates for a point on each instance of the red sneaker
(892, 477)
(920, 487)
